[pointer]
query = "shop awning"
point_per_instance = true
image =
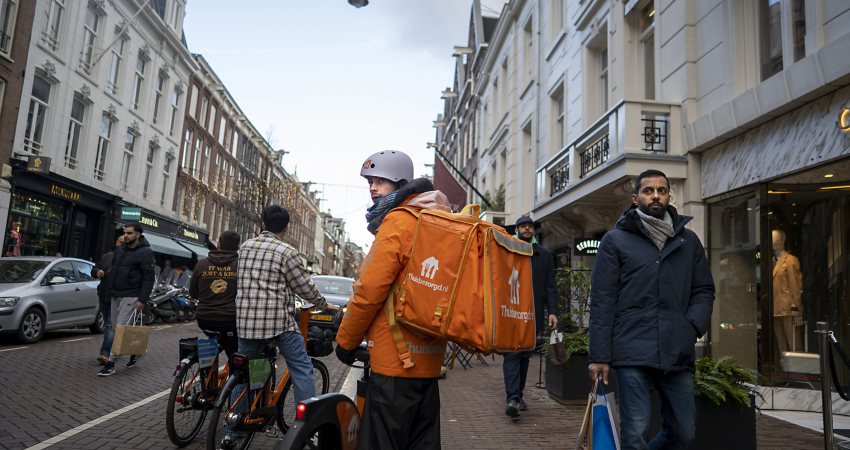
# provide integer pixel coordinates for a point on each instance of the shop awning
(199, 250)
(162, 244)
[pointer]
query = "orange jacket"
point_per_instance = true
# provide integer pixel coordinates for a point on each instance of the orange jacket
(366, 315)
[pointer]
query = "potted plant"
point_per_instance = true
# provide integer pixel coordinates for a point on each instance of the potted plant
(725, 404)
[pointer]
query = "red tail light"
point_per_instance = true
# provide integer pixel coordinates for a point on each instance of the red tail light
(300, 411)
(239, 360)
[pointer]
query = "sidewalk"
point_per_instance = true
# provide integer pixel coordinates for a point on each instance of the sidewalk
(473, 417)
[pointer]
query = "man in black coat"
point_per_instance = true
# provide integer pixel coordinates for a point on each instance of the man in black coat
(99, 271)
(651, 298)
(129, 283)
(515, 367)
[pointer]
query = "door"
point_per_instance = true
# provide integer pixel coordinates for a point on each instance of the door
(84, 233)
(62, 300)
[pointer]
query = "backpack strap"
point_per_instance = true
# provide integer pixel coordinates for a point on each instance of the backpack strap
(403, 352)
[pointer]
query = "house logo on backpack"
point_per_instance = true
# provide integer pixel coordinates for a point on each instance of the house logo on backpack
(430, 267)
(513, 281)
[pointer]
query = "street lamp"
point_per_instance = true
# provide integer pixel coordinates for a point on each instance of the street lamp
(358, 3)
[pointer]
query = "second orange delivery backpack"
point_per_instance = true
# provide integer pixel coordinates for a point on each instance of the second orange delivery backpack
(466, 281)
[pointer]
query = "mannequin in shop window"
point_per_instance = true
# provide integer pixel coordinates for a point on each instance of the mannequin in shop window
(787, 292)
(16, 241)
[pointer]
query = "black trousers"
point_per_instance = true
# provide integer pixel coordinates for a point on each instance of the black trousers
(400, 414)
(229, 340)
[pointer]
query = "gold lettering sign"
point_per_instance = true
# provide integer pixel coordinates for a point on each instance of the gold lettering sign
(844, 119)
(60, 191)
(149, 222)
(191, 234)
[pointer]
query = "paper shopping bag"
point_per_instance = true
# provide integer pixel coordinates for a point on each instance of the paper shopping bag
(130, 339)
(604, 429)
(585, 434)
(556, 353)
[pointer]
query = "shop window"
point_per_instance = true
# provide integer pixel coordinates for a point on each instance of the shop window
(35, 226)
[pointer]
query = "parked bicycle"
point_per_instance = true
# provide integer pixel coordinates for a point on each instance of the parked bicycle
(194, 390)
(330, 420)
(247, 411)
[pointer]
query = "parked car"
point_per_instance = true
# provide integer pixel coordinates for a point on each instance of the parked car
(337, 291)
(45, 293)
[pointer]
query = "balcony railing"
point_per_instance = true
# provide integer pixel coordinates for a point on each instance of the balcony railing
(595, 155)
(655, 132)
(559, 178)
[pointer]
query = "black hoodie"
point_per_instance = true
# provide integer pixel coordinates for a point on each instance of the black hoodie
(213, 284)
(132, 271)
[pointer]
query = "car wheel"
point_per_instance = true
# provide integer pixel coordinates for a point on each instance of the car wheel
(99, 325)
(31, 328)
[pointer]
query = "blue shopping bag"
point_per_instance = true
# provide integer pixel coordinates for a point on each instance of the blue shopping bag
(603, 431)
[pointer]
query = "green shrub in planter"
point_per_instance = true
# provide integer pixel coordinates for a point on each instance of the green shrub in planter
(724, 379)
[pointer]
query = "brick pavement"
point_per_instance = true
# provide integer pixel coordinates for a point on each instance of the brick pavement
(473, 417)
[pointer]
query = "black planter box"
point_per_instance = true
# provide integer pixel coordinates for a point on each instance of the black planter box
(571, 380)
(722, 426)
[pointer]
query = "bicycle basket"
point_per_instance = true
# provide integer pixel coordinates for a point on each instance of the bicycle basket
(188, 346)
(319, 342)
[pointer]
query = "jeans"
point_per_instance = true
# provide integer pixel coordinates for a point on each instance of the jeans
(678, 410)
(109, 327)
(515, 371)
(291, 346)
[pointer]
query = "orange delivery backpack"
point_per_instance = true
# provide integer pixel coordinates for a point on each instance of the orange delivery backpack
(467, 281)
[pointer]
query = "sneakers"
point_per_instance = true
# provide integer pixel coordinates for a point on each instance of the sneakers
(522, 405)
(512, 410)
(103, 359)
(132, 362)
(107, 370)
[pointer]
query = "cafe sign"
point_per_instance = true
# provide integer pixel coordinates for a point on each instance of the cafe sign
(585, 247)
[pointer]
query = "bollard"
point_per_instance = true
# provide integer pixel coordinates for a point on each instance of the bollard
(826, 385)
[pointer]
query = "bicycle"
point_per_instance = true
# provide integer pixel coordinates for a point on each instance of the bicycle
(273, 402)
(193, 391)
(330, 420)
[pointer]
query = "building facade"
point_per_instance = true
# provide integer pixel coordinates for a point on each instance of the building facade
(95, 132)
(744, 105)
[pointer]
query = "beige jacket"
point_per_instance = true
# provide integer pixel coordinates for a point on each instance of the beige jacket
(787, 285)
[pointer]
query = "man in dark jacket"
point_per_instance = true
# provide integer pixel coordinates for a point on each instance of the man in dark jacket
(651, 298)
(214, 286)
(99, 271)
(515, 367)
(129, 283)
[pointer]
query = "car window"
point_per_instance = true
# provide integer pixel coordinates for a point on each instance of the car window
(334, 286)
(18, 271)
(84, 271)
(62, 269)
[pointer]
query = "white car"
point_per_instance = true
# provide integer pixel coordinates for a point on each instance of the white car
(45, 293)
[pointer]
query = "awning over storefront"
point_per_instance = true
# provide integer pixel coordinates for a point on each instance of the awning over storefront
(162, 244)
(201, 251)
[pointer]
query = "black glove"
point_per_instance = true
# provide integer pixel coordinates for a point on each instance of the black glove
(346, 356)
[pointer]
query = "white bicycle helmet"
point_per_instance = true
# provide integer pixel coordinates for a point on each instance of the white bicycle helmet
(390, 164)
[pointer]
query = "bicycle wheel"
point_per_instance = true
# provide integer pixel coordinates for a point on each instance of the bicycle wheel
(216, 431)
(286, 403)
(184, 418)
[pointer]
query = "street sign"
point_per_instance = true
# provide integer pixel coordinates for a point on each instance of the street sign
(131, 213)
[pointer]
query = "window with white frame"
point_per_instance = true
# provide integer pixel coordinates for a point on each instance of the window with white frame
(528, 51)
(781, 41)
(37, 115)
(196, 156)
(127, 159)
(157, 97)
(75, 128)
(8, 14)
(222, 178)
(102, 147)
(211, 127)
(647, 43)
(205, 164)
(2, 93)
(149, 164)
(139, 80)
(178, 14)
(193, 102)
(166, 169)
(91, 24)
(559, 131)
(234, 137)
(556, 17)
(50, 35)
(603, 78)
(175, 107)
(203, 112)
(216, 176)
(221, 127)
(116, 53)
(187, 147)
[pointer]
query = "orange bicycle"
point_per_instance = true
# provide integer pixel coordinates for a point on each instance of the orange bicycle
(246, 410)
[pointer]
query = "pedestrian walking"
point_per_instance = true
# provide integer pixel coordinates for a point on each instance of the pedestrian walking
(515, 367)
(651, 299)
(214, 287)
(402, 409)
(100, 271)
(129, 283)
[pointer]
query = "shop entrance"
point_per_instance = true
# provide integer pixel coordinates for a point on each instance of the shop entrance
(85, 233)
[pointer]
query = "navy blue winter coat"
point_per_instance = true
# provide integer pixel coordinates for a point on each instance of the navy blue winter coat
(647, 308)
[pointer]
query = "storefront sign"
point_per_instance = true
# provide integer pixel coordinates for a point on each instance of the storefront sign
(64, 192)
(147, 221)
(130, 213)
(191, 234)
(38, 164)
(585, 247)
(844, 119)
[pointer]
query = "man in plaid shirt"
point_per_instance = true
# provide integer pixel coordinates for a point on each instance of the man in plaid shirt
(270, 276)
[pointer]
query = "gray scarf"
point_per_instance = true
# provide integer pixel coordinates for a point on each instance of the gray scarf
(659, 229)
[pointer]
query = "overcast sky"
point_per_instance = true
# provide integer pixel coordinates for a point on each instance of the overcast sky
(334, 84)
